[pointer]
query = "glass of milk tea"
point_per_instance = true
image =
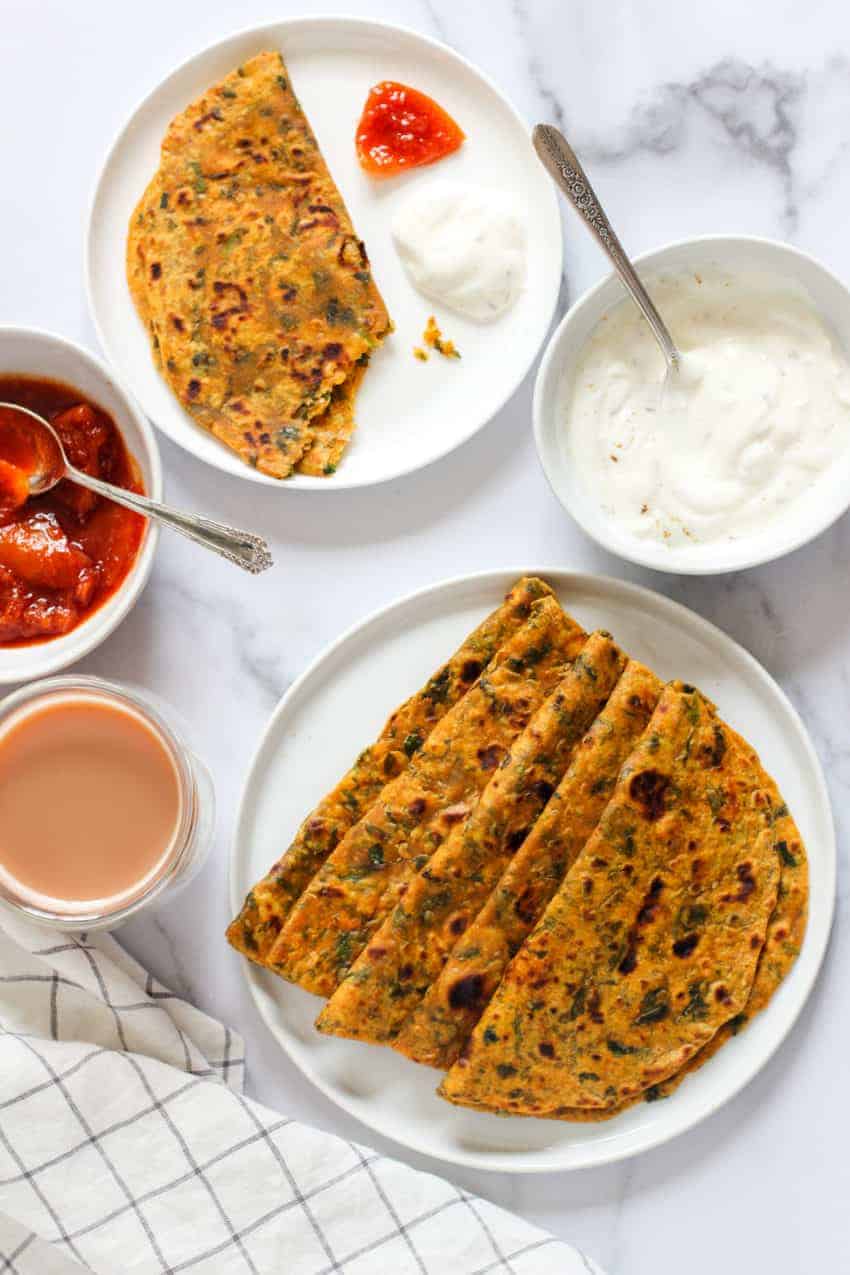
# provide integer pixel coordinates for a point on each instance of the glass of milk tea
(103, 806)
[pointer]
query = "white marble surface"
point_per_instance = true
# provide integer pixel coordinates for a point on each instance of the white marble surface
(692, 119)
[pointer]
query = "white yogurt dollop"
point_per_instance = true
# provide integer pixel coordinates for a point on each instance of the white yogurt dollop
(463, 246)
(762, 408)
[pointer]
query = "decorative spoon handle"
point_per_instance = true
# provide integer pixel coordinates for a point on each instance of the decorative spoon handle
(242, 547)
(559, 159)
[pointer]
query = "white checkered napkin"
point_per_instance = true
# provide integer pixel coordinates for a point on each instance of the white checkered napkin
(126, 1146)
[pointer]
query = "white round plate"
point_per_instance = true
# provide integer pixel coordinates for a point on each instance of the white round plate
(339, 704)
(408, 413)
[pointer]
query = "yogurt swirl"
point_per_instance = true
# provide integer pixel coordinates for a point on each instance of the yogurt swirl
(759, 412)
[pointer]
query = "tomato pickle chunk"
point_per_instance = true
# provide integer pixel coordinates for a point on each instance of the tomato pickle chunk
(65, 552)
(401, 128)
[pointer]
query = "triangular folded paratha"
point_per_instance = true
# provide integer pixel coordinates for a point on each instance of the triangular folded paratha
(244, 266)
(254, 931)
(360, 882)
(438, 1028)
(407, 953)
(653, 941)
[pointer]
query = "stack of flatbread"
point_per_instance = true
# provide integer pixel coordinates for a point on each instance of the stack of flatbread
(554, 878)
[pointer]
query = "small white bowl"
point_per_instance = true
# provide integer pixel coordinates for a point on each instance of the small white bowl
(827, 500)
(32, 352)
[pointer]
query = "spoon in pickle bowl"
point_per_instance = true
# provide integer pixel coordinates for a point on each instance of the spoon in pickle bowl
(47, 465)
(559, 160)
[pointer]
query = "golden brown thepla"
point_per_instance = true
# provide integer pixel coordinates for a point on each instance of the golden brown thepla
(360, 882)
(438, 1028)
(652, 942)
(255, 930)
(244, 266)
(408, 952)
(562, 881)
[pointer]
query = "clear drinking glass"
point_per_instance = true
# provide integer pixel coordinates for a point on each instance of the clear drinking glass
(193, 835)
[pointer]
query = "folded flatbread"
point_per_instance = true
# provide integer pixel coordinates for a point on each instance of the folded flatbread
(254, 931)
(785, 935)
(653, 941)
(409, 950)
(438, 1028)
(245, 268)
(347, 899)
(784, 939)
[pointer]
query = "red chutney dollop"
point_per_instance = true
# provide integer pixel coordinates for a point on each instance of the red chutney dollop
(401, 128)
(62, 554)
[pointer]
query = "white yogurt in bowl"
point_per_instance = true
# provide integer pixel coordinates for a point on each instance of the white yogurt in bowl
(748, 455)
(760, 409)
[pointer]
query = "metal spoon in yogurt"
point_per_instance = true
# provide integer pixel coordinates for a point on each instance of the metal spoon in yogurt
(559, 159)
(49, 465)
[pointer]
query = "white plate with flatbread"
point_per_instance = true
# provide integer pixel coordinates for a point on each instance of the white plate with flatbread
(409, 413)
(340, 703)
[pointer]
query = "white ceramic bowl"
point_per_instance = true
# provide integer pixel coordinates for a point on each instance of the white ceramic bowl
(31, 352)
(809, 516)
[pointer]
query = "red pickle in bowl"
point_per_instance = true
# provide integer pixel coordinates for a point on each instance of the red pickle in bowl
(66, 552)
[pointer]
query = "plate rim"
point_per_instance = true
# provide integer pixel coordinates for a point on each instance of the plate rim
(560, 577)
(301, 482)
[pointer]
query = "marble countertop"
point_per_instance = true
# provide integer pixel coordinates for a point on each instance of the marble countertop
(691, 119)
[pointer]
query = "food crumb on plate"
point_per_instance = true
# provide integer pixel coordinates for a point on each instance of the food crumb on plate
(433, 337)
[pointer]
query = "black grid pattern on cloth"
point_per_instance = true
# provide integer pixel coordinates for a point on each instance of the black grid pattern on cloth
(340, 1207)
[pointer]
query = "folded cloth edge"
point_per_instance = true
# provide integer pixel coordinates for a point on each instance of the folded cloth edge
(112, 1161)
